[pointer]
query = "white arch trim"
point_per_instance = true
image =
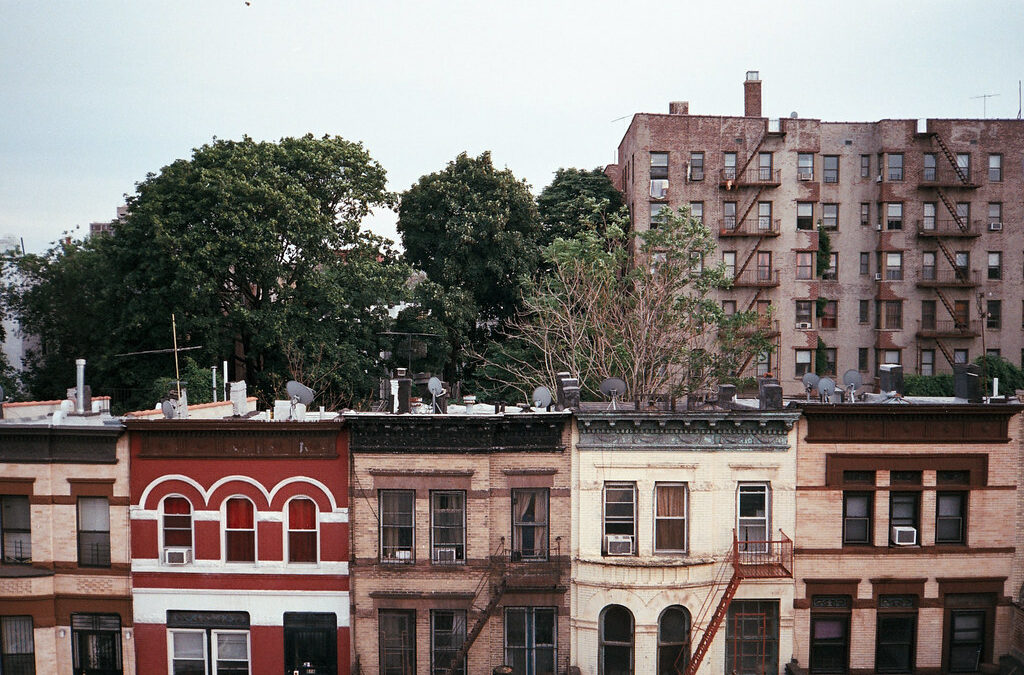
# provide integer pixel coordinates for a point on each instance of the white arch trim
(269, 495)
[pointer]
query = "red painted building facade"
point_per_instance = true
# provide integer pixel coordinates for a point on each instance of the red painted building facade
(239, 546)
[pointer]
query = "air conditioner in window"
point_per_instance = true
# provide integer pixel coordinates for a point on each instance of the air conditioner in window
(803, 325)
(177, 556)
(995, 227)
(903, 536)
(878, 227)
(878, 276)
(402, 555)
(804, 176)
(444, 554)
(878, 179)
(618, 544)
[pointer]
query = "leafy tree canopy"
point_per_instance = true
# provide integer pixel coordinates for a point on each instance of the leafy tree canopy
(577, 200)
(256, 248)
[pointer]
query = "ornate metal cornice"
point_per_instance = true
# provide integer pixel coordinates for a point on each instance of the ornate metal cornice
(693, 432)
(457, 433)
(59, 445)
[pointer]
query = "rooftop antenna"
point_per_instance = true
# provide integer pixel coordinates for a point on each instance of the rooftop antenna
(852, 380)
(298, 393)
(541, 397)
(177, 375)
(984, 100)
(826, 387)
(810, 381)
(436, 388)
(613, 387)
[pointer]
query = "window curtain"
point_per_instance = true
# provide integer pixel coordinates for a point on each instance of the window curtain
(302, 531)
(241, 534)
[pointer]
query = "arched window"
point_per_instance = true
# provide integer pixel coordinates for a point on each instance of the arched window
(673, 640)
(177, 530)
(302, 539)
(240, 531)
(616, 648)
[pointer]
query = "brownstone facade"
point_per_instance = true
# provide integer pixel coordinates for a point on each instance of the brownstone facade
(905, 546)
(460, 533)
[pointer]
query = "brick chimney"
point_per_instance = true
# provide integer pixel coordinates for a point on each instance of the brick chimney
(752, 94)
(679, 108)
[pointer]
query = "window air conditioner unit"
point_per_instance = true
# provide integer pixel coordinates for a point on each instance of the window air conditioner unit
(803, 176)
(619, 544)
(177, 556)
(995, 227)
(803, 325)
(403, 555)
(878, 179)
(878, 276)
(903, 536)
(444, 554)
(878, 227)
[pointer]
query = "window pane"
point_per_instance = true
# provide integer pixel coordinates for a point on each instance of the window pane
(188, 645)
(93, 513)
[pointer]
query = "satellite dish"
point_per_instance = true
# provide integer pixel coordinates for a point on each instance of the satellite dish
(299, 393)
(793, 115)
(435, 387)
(852, 378)
(168, 409)
(810, 381)
(613, 387)
(826, 387)
(541, 397)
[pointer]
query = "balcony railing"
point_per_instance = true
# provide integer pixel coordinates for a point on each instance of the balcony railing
(759, 277)
(948, 329)
(769, 327)
(945, 176)
(533, 568)
(763, 559)
(761, 227)
(755, 176)
(948, 228)
(958, 278)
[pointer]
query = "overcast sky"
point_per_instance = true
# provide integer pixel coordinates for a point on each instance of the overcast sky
(94, 95)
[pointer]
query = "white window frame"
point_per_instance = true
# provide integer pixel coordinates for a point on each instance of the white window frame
(288, 530)
(618, 485)
(192, 524)
(685, 518)
(215, 657)
(170, 647)
(225, 530)
(764, 488)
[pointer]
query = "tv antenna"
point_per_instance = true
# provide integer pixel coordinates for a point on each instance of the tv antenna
(613, 387)
(436, 388)
(852, 380)
(541, 397)
(298, 394)
(826, 387)
(810, 381)
(984, 101)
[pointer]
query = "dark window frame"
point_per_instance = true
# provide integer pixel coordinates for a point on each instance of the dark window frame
(93, 544)
(14, 538)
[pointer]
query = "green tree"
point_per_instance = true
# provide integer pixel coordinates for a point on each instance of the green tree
(256, 248)
(653, 320)
(473, 230)
(577, 200)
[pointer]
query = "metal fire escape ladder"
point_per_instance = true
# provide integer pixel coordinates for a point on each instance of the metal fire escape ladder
(946, 303)
(945, 350)
(494, 582)
(950, 157)
(960, 222)
(716, 622)
(753, 153)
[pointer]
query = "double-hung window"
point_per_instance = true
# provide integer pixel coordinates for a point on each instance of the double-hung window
(895, 166)
(240, 530)
(830, 216)
(93, 532)
(530, 523)
(659, 175)
(620, 518)
(805, 215)
(804, 265)
(830, 634)
(670, 518)
(805, 166)
(448, 526)
(830, 172)
(951, 518)
(531, 640)
(858, 508)
(966, 640)
(894, 216)
(904, 511)
(302, 530)
(929, 166)
(895, 632)
(396, 508)
(752, 516)
(17, 646)
(15, 530)
(447, 634)
(208, 643)
(177, 529)
(995, 168)
(397, 647)
(696, 166)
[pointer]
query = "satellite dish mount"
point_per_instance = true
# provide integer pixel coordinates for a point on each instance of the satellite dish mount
(613, 387)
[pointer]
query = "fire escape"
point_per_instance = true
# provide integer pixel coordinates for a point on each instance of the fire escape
(941, 179)
(510, 570)
(761, 178)
(747, 560)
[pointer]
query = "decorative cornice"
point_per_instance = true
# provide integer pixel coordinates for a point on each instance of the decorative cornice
(229, 438)
(694, 432)
(59, 445)
(908, 423)
(457, 434)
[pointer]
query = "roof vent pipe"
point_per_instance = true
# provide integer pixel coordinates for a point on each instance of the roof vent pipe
(80, 386)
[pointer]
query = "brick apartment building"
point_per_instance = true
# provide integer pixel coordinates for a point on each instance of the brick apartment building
(907, 556)
(460, 540)
(65, 591)
(239, 543)
(923, 218)
(675, 514)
